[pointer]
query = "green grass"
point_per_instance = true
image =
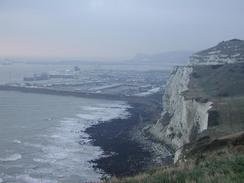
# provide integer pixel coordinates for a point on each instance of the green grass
(224, 86)
(221, 81)
(223, 170)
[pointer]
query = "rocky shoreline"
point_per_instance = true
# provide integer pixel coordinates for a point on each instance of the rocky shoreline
(127, 145)
(127, 149)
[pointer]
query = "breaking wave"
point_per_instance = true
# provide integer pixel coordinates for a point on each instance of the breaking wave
(12, 157)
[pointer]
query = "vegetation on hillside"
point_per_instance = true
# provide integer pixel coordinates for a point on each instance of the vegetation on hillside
(217, 154)
(223, 170)
(212, 161)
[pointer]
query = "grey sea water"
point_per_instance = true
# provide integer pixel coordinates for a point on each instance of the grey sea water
(42, 137)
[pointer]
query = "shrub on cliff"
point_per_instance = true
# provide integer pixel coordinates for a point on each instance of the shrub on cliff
(224, 170)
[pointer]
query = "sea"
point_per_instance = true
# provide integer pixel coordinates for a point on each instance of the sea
(42, 137)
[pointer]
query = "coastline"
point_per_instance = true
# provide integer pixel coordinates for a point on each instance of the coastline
(132, 151)
(127, 147)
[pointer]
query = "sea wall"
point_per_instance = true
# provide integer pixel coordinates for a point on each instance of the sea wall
(182, 119)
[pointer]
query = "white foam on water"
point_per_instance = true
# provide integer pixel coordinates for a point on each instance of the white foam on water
(104, 112)
(40, 160)
(149, 92)
(12, 157)
(17, 141)
(68, 151)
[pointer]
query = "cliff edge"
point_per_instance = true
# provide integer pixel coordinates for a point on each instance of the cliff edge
(205, 98)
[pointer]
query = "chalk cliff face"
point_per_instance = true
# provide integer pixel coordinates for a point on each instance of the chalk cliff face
(183, 118)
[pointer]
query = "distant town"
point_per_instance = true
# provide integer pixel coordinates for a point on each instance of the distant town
(123, 83)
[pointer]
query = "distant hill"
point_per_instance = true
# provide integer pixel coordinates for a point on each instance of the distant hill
(164, 58)
(231, 51)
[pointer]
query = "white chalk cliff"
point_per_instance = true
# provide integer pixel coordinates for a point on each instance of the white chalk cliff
(185, 117)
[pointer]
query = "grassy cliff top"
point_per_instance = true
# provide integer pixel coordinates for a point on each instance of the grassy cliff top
(224, 86)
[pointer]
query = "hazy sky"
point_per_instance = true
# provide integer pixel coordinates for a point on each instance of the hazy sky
(115, 28)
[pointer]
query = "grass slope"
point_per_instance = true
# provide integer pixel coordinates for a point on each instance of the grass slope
(211, 161)
(225, 170)
(224, 86)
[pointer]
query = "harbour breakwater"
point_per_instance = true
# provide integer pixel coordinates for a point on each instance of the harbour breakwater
(39, 90)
